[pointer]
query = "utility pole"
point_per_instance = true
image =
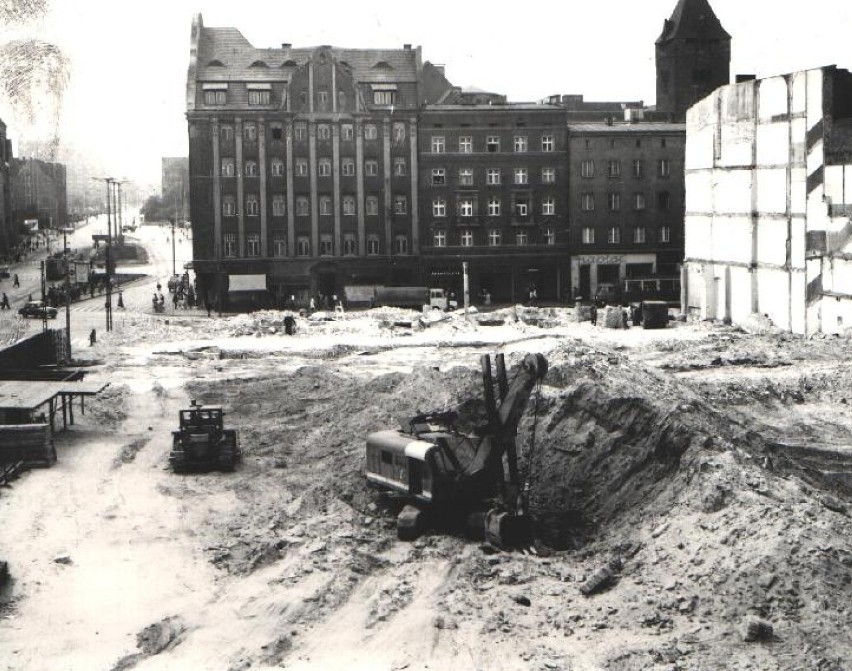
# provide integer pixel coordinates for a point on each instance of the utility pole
(108, 305)
(67, 291)
(174, 267)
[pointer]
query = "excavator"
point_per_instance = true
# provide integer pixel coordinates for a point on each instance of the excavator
(447, 476)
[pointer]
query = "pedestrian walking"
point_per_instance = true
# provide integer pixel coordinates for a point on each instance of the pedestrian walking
(120, 301)
(4, 304)
(312, 305)
(30, 299)
(16, 282)
(93, 338)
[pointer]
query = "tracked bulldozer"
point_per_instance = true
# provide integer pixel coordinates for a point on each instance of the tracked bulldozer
(468, 479)
(201, 443)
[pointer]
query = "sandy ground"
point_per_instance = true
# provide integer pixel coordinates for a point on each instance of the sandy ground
(655, 448)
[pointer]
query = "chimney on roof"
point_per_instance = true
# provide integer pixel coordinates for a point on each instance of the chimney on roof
(286, 45)
(406, 46)
(745, 78)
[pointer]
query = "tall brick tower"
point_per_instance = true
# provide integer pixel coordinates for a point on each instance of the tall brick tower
(693, 57)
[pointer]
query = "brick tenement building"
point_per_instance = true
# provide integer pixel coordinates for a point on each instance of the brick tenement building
(39, 193)
(492, 193)
(626, 194)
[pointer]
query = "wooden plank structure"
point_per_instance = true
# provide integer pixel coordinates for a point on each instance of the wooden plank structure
(23, 402)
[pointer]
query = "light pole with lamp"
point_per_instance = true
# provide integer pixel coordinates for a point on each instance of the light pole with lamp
(108, 305)
(65, 231)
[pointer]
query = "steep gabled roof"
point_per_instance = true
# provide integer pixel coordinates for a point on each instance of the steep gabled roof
(693, 19)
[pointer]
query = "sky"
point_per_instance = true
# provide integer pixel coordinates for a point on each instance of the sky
(125, 99)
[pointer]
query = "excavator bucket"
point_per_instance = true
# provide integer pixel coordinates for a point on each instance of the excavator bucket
(507, 530)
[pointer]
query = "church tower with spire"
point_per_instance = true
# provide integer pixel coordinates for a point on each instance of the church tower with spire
(693, 57)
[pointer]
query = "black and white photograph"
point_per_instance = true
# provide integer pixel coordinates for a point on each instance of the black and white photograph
(396, 336)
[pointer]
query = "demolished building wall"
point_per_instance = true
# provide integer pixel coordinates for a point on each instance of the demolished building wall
(768, 206)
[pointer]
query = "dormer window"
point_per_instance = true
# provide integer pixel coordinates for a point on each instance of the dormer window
(258, 64)
(259, 94)
(215, 94)
(384, 94)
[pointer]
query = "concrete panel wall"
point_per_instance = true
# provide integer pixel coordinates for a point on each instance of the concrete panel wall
(814, 96)
(799, 139)
(771, 241)
(740, 292)
(699, 192)
(773, 296)
(773, 143)
(797, 242)
(798, 288)
(731, 239)
(737, 144)
(771, 190)
(772, 98)
(835, 183)
(799, 90)
(699, 149)
(698, 242)
(732, 191)
(798, 191)
(695, 286)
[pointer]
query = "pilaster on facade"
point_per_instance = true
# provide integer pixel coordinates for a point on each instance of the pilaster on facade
(241, 221)
(415, 200)
(359, 172)
(217, 191)
(312, 166)
(291, 218)
(335, 171)
(262, 168)
(386, 184)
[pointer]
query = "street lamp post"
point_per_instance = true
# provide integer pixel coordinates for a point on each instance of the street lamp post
(67, 291)
(174, 266)
(108, 305)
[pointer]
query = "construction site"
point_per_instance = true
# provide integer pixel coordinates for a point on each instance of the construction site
(688, 491)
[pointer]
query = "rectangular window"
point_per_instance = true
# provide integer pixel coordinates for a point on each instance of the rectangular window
(322, 99)
(303, 208)
(250, 132)
(371, 168)
(520, 143)
(251, 169)
(547, 143)
(253, 245)
(301, 167)
(439, 207)
(252, 208)
(493, 207)
(324, 167)
(372, 206)
(230, 244)
(466, 207)
(325, 206)
(522, 207)
(492, 176)
(439, 176)
(492, 144)
(228, 167)
(466, 144)
(398, 132)
(277, 131)
(384, 97)
(521, 176)
(229, 206)
(370, 131)
(665, 234)
(326, 245)
(303, 246)
(373, 246)
(587, 201)
(400, 244)
(350, 244)
(548, 236)
(399, 167)
(323, 131)
(613, 235)
(439, 239)
(276, 168)
(664, 200)
(638, 168)
(466, 238)
(614, 200)
(300, 132)
(347, 132)
(349, 206)
(638, 201)
(438, 144)
(347, 167)
(548, 175)
(588, 235)
(639, 234)
(522, 238)
(227, 133)
(400, 205)
(279, 208)
(258, 97)
(465, 176)
(665, 167)
(614, 168)
(279, 247)
(587, 168)
(548, 206)
(215, 97)
(494, 237)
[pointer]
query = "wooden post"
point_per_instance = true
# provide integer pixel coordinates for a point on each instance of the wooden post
(64, 413)
(71, 408)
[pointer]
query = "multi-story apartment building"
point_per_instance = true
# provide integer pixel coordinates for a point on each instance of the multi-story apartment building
(625, 186)
(769, 202)
(8, 233)
(491, 193)
(38, 193)
(303, 163)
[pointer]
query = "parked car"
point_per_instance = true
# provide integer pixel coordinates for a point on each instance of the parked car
(37, 309)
